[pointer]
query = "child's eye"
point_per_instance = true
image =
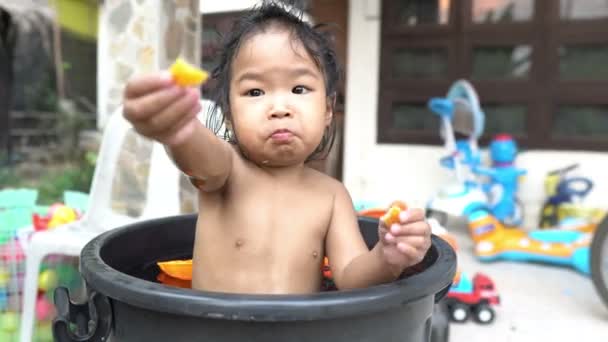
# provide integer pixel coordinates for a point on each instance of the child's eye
(255, 92)
(300, 90)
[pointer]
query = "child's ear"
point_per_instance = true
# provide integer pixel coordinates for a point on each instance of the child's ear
(329, 111)
(228, 129)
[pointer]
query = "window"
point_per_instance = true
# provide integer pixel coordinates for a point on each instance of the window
(539, 67)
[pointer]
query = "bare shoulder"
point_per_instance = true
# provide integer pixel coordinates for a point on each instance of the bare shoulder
(240, 165)
(322, 179)
(328, 184)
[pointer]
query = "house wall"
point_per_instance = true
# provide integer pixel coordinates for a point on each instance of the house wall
(137, 37)
(384, 172)
(210, 7)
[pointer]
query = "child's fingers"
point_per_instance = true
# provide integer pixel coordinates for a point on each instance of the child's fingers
(419, 243)
(144, 107)
(182, 129)
(415, 228)
(175, 113)
(408, 250)
(144, 84)
(411, 252)
(162, 122)
(385, 236)
(411, 215)
(383, 233)
(389, 238)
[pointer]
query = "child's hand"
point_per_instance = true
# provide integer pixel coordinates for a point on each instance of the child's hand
(405, 244)
(159, 109)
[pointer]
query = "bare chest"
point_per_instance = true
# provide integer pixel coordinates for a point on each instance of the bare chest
(266, 221)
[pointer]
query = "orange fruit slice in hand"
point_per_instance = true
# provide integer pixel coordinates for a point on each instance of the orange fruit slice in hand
(180, 269)
(400, 204)
(391, 216)
(187, 75)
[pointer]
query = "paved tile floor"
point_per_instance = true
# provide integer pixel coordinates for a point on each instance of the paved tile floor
(538, 303)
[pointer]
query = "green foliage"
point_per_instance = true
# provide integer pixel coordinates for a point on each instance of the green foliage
(52, 182)
(9, 178)
(75, 177)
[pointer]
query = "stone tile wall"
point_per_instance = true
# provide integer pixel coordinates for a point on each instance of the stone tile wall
(137, 37)
(140, 36)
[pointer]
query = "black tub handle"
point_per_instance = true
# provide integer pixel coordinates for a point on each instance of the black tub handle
(92, 319)
(439, 295)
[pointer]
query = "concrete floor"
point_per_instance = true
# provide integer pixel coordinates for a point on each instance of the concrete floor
(538, 303)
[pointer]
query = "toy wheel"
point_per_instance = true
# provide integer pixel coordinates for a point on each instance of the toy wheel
(459, 313)
(483, 314)
(599, 260)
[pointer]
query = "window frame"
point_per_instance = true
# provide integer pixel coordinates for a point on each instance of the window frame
(542, 91)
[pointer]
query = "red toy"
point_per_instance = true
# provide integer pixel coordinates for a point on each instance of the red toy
(58, 214)
(475, 298)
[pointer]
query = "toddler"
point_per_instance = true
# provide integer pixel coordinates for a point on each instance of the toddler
(266, 219)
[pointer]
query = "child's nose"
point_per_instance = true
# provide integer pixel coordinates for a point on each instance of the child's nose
(280, 109)
(278, 114)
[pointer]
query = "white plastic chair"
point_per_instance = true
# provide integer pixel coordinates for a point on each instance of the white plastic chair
(161, 198)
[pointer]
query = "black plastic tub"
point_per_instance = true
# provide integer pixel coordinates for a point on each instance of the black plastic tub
(126, 304)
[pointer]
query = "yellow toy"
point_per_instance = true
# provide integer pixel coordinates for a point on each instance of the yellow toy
(5, 276)
(187, 75)
(563, 207)
(47, 280)
(62, 215)
(554, 246)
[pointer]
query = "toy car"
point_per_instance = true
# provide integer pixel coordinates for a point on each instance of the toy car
(473, 298)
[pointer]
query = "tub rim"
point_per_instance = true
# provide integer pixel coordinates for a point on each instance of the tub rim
(104, 279)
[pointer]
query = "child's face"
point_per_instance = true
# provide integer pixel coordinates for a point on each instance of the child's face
(278, 99)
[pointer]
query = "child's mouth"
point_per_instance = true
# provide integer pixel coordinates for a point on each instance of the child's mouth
(281, 135)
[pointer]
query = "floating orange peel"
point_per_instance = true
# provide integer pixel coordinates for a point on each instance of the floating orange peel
(163, 278)
(187, 75)
(325, 269)
(179, 272)
(178, 269)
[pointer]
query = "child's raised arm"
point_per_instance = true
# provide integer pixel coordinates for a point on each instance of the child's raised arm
(161, 110)
(400, 246)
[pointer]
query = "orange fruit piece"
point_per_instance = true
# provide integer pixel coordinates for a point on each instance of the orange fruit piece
(379, 212)
(187, 75)
(326, 270)
(400, 204)
(163, 278)
(179, 269)
(374, 212)
(391, 216)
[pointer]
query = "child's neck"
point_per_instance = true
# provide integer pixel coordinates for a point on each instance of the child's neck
(287, 171)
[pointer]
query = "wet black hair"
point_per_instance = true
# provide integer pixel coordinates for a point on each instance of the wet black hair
(316, 41)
